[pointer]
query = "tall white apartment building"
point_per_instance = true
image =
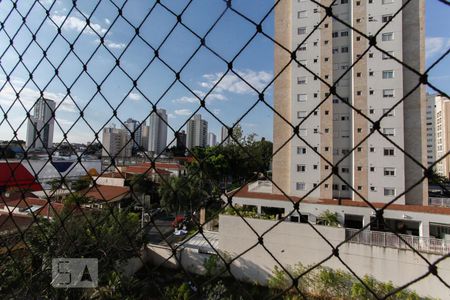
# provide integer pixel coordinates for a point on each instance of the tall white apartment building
(197, 132)
(157, 140)
(212, 139)
(41, 125)
(438, 132)
(224, 138)
(135, 128)
(431, 130)
(375, 168)
(116, 142)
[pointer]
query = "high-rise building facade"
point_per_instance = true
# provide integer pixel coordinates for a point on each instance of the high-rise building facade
(181, 139)
(134, 128)
(197, 132)
(144, 136)
(224, 138)
(431, 129)
(157, 140)
(438, 133)
(212, 139)
(116, 142)
(41, 125)
(370, 81)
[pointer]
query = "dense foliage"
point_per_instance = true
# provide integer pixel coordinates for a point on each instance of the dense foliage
(110, 236)
(326, 283)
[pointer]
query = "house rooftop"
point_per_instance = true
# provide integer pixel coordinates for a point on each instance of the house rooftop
(255, 192)
(108, 193)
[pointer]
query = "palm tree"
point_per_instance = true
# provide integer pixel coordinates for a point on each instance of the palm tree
(328, 218)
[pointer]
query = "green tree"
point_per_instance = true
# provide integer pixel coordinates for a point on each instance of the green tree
(110, 236)
(81, 184)
(328, 218)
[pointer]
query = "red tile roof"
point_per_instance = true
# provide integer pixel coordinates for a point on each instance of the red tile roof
(114, 175)
(107, 192)
(11, 222)
(161, 165)
(145, 170)
(15, 205)
(245, 193)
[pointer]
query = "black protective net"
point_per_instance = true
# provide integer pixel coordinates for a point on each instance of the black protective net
(44, 48)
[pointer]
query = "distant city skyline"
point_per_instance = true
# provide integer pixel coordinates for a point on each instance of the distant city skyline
(228, 101)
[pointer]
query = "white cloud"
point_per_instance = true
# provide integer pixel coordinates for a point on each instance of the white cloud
(28, 97)
(113, 45)
(171, 116)
(216, 111)
(77, 24)
(211, 97)
(233, 84)
(436, 46)
(183, 112)
(107, 21)
(135, 96)
(186, 99)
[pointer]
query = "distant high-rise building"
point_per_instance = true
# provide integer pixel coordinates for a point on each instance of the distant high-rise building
(212, 139)
(144, 136)
(438, 133)
(116, 142)
(40, 126)
(224, 138)
(157, 140)
(197, 132)
(181, 139)
(431, 129)
(134, 127)
(375, 83)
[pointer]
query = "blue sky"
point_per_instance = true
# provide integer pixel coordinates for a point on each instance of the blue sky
(228, 101)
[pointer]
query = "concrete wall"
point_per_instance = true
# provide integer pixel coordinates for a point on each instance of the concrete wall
(291, 243)
(190, 259)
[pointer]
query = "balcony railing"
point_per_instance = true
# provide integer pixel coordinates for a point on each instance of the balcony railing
(442, 202)
(391, 240)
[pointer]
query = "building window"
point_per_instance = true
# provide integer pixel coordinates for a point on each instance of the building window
(388, 113)
(344, 33)
(302, 14)
(303, 132)
(385, 56)
(389, 191)
(301, 30)
(388, 36)
(302, 97)
(345, 170)
(388, 93)
(386, 18)
(344, 50)
(315, 167)
(359, 168)
(388, 151)
(372, 149)
(335, 34)
(301, 150)
(300, 186)
(301, 114)
(373, 189)
(301, 80)
(301, 168)
(388, 74)
(389, 131)
(389, 171)
(344, 1)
